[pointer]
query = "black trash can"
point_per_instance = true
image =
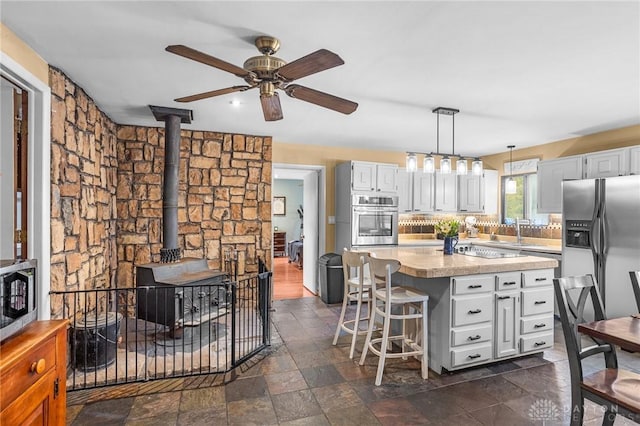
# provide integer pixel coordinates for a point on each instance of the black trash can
(331, 278)
(95, 340)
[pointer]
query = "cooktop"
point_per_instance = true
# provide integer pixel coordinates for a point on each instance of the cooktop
(488, 253)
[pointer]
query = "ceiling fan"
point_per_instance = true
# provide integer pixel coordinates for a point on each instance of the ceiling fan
(270, 73)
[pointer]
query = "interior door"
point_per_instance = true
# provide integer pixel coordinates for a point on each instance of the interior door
(310, 227)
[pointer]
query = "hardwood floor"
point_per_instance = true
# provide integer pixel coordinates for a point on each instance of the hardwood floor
(287, 280)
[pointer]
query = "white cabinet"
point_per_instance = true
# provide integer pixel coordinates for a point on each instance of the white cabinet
(470, 193)
(415, 192)
(506, 343)
(606, 164)
(551, 173)
(366, 176)
(445, 192)
(423, 192)
(634, 160)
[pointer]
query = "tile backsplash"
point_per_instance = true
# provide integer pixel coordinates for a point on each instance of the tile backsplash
(486, 224)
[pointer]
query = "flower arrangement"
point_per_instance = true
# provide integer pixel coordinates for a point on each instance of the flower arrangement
(448, 228)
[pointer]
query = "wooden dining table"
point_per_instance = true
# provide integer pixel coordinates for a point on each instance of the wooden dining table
(624, 331)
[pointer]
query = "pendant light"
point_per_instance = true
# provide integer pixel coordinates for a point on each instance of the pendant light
(429, 163)
(476, 167)
(510, 186)
(412, 162)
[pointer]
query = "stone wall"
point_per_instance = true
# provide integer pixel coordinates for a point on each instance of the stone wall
(83, 190)
(224, 198)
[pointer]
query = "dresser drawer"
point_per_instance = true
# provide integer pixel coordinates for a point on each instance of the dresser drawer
(537, 278)
(471, 335)
(471, 310)
(536, 342)
(536, 324)
(471, 355)
(538, 301)
(22, 374)
(473, 285)
(508, 281)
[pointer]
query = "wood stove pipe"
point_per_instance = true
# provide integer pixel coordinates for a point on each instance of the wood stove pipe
(172, 117)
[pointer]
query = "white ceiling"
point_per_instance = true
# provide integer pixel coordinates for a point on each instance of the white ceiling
(521, 73)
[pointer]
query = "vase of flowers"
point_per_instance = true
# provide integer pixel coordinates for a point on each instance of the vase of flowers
(449, 230)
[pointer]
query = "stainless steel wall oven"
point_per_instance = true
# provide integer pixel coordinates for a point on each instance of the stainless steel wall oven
(374, 220)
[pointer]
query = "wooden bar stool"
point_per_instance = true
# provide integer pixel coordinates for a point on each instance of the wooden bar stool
(356, 288)
(414, 305)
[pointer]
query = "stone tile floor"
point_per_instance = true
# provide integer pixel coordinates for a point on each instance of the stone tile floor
(304, 380)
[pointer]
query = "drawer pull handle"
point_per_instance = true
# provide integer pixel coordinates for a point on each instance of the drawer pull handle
(472, 338)
(475, 286)
(540, 343)
(504, 297)
(540, 325)
(540, 279)
(474, 356)
(539, 302)
(39, 366)
(510, 283)
(475, 311)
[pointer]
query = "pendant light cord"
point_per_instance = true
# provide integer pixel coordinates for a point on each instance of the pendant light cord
(438, 137)
(453, 135)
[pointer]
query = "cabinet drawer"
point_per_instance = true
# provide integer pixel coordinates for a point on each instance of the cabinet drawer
(19, 377)
(536, 342)
(537, 278)
(472, 335)
(508, 281)
(471, 355)
(537, 301)
(471, 310)
(472, 285)
(536, 324)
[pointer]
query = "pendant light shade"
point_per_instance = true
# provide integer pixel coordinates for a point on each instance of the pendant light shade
(476, 167)
(445, 165)
(461, 166)
(510, 186)
(412, 162)
(428, 164)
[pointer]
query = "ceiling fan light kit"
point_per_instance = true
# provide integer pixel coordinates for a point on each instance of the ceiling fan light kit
(270, 73)
(428, 164)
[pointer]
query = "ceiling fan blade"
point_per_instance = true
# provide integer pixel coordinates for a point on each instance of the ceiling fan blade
(213, 93)
(312, 63)
(196, 55)
(271, 107)
(320, 98)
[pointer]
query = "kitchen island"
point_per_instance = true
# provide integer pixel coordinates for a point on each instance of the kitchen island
(481, 310)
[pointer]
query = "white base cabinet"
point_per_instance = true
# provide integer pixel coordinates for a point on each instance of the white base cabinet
(479, 319)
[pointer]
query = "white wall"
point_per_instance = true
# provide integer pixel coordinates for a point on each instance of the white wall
(290, 223)
(7, 220)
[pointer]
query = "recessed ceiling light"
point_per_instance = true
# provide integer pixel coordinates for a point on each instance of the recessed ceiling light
(235, 102)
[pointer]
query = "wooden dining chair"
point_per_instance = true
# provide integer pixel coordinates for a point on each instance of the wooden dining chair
(613, 388)
(635, 285)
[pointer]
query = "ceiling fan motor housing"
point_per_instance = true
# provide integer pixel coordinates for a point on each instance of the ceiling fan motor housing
(263, 66)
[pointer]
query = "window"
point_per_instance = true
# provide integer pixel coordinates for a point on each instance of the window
(524, 203)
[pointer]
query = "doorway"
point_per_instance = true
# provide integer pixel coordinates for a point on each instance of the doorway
(300, 189)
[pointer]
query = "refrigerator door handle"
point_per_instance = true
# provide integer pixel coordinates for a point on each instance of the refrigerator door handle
(593, 232)
(604, 245)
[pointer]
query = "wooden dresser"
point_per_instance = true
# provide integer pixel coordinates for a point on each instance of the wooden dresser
(279, 243)
(33, 365)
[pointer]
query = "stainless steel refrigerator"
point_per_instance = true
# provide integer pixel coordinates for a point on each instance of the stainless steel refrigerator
(601, 236)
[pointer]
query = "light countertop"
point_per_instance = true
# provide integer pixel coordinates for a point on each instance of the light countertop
(429, 262)
(507, 245)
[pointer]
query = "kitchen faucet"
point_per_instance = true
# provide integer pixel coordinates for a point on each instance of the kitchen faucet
(518, 223)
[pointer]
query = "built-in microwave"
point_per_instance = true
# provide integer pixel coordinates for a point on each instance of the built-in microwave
(17, 295)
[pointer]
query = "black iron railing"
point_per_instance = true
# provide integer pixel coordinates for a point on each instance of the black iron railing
(216, 328)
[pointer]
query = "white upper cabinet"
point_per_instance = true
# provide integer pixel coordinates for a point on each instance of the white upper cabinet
(423, 192)
(366, 176)
(634, 160)
(405, 191)
(386, 175)
(445, 192)
(470, 193)
(551, 173)
(606, 164)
